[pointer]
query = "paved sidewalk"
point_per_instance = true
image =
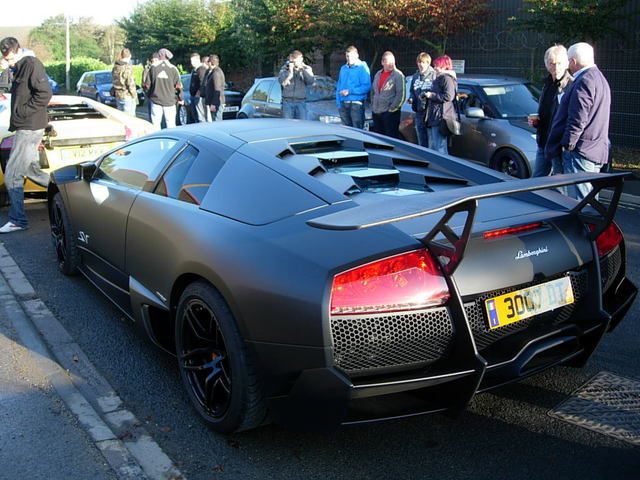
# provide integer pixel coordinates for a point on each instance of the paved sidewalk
(59, 418)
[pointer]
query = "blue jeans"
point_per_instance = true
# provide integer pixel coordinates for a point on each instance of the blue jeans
(437, 141)
(352, 114)
(127, 105)
(158, 111)
(23, 162)
(543, 166)
(421, 129)
(217, 115)
(573, 162)
(294, 109)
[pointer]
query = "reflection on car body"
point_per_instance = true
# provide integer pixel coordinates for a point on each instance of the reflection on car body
(264, 100)
(318, 275)
(493, 113)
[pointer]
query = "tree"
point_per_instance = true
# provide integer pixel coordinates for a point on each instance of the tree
(570, 21)
(182, 26)
(431, 22)
(49, 39)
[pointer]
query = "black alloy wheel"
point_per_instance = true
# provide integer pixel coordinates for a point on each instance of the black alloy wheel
(510, 162)
(214, 363)
(62, 237)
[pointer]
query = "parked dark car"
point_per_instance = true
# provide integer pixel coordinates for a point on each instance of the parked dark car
(317, 275)
(264, 100)
(233, 99)
(493, 113)
(97, 85)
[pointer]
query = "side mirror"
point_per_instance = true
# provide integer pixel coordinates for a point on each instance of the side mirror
(86, 170)
(474, 112)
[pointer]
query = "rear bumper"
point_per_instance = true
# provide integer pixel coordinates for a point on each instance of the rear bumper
(324, 397)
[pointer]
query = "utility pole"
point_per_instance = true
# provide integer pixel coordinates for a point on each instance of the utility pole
(68, 56)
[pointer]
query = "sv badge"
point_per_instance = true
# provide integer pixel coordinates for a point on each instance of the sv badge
(83, 237)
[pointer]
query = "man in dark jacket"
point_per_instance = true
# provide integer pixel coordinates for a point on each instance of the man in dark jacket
(196, 87)
(579, 136)
(30, 95)
(165, 90)
(555, 84)
(421, 82)
(295, 76)
(214, 89)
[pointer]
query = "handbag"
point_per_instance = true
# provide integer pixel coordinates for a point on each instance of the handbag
(453, 124)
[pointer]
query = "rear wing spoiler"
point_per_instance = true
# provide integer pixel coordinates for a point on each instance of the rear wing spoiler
(465, 199)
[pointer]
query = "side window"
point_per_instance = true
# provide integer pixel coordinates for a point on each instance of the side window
(262, 91)
(275, 96)
(136, 164)
(189, 176)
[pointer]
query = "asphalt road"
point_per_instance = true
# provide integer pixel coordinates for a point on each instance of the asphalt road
(504, 434)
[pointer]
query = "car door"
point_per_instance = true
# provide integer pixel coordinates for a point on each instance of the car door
(85, 87)
(274, 104)
(100, 208)
(472, 144)
(260, 96)
(171, 216)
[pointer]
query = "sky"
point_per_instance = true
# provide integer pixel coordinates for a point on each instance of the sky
(32, 13)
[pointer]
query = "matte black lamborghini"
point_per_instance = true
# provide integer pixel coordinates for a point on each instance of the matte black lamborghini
(316, 275)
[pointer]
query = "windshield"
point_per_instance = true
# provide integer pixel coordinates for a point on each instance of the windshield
(517, 100)
(324, 88)
(103, 78)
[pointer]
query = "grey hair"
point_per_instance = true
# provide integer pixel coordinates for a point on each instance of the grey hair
(555, 50)
(582, 53)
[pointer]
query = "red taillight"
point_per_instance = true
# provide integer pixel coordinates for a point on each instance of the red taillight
(511, 230)
(404, 282)
(609, 239)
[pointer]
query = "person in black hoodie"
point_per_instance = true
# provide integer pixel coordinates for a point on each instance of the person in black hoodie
(30, 95)
(165, 90)
(557, 62)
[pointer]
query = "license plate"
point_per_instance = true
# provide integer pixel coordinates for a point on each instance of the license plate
(515, 306)
(231, 109)
(76, 154)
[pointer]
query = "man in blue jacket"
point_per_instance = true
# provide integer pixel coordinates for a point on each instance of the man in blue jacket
(579, 137)
(354, 83)
(30, 95)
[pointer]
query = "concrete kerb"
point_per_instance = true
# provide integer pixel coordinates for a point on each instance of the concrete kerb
(117, 434)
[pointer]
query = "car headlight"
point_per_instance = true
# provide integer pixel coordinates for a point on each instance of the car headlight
(329, 119)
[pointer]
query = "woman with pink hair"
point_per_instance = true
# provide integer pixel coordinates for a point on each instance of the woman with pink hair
(440, 106)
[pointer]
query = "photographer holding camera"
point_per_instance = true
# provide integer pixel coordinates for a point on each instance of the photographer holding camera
(294, 77)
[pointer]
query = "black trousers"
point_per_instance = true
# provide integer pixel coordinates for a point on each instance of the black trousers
(387, 123)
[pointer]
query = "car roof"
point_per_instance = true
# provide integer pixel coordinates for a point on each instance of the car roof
(275, 78)
(487, 80)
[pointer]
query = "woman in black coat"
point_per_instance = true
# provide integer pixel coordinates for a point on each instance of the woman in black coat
(440, 107)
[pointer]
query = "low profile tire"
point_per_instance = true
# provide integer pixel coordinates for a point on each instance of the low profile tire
(64, 241)
(242, 116)
(510, 162)
(215, 366)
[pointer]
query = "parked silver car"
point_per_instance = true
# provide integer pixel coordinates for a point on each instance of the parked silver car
(264, 100)
(493, 113)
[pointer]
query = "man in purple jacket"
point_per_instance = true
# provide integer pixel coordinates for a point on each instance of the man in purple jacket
(579, 137)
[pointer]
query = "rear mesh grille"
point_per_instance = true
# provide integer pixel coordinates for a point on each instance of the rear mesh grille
(363, 345)
(476, 314)
(609, 268)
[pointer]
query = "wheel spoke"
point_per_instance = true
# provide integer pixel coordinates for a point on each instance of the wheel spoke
(196, 323)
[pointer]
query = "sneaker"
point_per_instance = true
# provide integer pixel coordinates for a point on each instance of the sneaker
(11, 227)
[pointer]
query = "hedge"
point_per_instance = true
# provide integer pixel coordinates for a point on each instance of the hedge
(79, 65)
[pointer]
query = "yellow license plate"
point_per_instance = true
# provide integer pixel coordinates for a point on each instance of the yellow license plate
(515, 306)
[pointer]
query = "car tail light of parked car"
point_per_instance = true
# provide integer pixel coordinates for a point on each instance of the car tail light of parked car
(409, 281)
